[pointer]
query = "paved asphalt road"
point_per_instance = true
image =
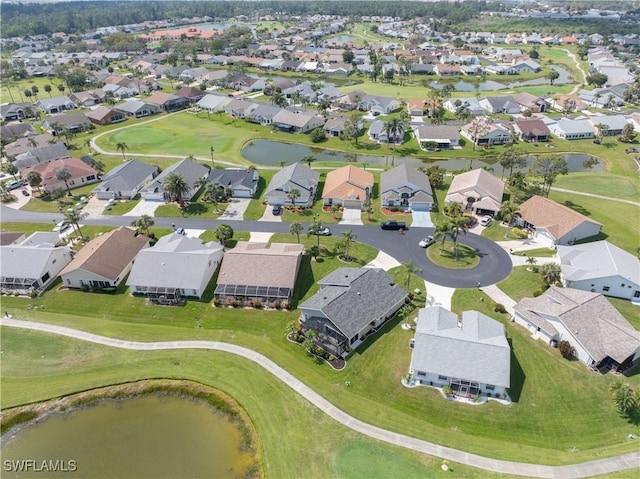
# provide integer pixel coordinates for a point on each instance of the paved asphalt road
(494, 265)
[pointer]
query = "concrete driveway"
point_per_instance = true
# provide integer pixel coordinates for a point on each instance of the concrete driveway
(235, 210)
(351, 216)
(144, 207)
(421, 219)
(269, 216)
(21, 199)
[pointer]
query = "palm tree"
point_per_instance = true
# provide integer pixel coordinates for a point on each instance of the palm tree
(73, 216)
(295, 229)
(12, 170)
(551, 273)
(175, 187)
(63, 174)
(144, 223)
(408, 268)
(601, 131)
(223, 233)
(596, 98)
(34, 179)
(531, 261)
(392, 128)
(480, 126)
(87, 144)
(349, 236)
(121, 147)
(441, 232)
(282, 163)
(293, 195)
(508, 211)
(314, 229)
(457, 225)
(47, 88)
(308, 159)
(32, 142)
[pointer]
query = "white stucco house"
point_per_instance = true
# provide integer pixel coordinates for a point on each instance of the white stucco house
(602, 338)
(470, 354)
(601, 267)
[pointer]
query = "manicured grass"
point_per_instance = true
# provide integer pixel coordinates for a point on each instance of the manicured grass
(498, 232)
(254, 211)
(466, 258)
(55, 365)
(630, 311)
(521, 283)
(619, 220)
(121, 207)
(605, 184)
(195, 209)
(46, 205)
(26, 228)
(537, 253)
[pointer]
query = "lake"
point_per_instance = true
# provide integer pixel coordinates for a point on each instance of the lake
(146, 436)
(270, 153)
(490, 85)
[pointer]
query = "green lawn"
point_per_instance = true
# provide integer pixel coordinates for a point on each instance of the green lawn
(497, 232)
(619, 220)
(605, 184)
(121, 207)
(46, 205)
(630, 311)
(195, 209)
(54, 365)
(521, 283)
(467, 257)
(537, 253)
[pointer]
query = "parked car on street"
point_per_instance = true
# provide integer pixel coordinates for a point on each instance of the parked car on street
(393, 225)
(486, 220)
(428, 241)
(323, 231)
(61, 226)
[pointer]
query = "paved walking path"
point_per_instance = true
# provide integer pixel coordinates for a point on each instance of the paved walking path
(499, 297)
(577, 86)
(586, 469)
(592, 195)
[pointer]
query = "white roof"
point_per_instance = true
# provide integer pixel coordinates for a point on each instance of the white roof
(599, 259)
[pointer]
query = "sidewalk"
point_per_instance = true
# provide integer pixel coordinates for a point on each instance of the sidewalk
(499, 297)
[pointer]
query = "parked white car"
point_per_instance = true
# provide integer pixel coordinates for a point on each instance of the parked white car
(486, 220)
(424, 242)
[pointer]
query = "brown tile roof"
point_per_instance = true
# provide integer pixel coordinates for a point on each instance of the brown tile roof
(76, 167)
(556, 218)
(347, 182)
(108, 254)
(256, 264)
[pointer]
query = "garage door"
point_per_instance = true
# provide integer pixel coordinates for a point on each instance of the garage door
(421, 206)
(352, 204)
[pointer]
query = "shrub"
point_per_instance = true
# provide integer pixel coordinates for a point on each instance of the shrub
(216, 302)
(235, 303)
(537, 293)
(332, 357)
(519, 232)
(393, 208)
(499, 308)
(257, 305)
(447, 391)
(317, 135)
(84, 288)
(566, 349)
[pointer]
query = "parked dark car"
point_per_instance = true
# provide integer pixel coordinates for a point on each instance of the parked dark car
(277, 210)
(25, 192)
(393, 225)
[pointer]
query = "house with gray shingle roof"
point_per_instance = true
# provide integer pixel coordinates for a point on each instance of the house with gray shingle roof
(263, 114)
(33, 264)
(500, 104)
(137, 108)
(299, 122)
(603, 339)
(406, 187)
(569, 129)
(241, 183)
(57, 104)
(125, 180)
(443, 137)
(176, 266)
(191, 170)
(613, 124)
(380, 104)
(295, 176)
(601, 267)
(351, 304)
(41, 154)
(471, 355)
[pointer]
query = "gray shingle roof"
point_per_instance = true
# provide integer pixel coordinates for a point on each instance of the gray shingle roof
(405, 175)
(590, 319)
(126, 177)
(352, 297)
(297, 176)
(477, 350)
(599, 259)
(233, 178)
(29, 258)
(191, 171)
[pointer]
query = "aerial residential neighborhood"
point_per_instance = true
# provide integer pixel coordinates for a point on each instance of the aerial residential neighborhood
(372, 228)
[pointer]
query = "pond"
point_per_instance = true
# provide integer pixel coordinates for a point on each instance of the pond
(270, 153)
(146, 436)
(490, 85)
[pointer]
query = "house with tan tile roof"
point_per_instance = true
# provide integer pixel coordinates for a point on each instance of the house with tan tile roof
(256, 272)
(476, 190)
(555, 222)
(81, 174)
(602, 338)
(105, 261)
(347, 186)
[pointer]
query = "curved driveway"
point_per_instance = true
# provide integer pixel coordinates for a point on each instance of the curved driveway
(494, 265)
(586, 469)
